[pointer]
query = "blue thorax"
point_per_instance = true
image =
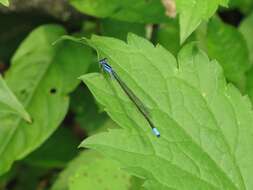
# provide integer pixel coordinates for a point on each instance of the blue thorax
(106, 67)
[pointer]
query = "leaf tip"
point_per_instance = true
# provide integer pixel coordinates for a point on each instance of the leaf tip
(28, 119)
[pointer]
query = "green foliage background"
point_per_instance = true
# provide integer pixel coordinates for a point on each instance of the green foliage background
(66, 125)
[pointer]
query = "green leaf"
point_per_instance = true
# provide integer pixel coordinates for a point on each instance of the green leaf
(206, 124)
(41, 76)
(9, 102)
(246, 29)
(92, 171)
(193, 12)
(131, 10)
(5, 2)
(226, 44)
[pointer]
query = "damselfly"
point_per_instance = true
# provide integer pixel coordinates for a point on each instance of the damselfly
(137, 102)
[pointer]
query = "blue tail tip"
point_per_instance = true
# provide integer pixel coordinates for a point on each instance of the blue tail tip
(156, 132)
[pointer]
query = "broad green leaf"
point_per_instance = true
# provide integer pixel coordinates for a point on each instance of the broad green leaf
(84, 158)
(9, 102)
(90, 170)
(246, 29)
(226, 44)
(206, 124)
(193, 12)
(5, 2)
(41, 76)
(130, 10)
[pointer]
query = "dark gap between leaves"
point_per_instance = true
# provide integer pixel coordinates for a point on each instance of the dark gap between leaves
(232, 16)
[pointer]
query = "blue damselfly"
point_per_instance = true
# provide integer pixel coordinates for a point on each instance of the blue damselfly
(137, 102)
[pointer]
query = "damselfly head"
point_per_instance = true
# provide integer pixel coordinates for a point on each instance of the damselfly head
(103, 61)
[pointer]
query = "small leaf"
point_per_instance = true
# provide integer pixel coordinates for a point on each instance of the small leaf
(226, 44)
(92, 171)
(206, 124)
(9, 103)
(5, 2)
(41, 76)
(193, 12)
